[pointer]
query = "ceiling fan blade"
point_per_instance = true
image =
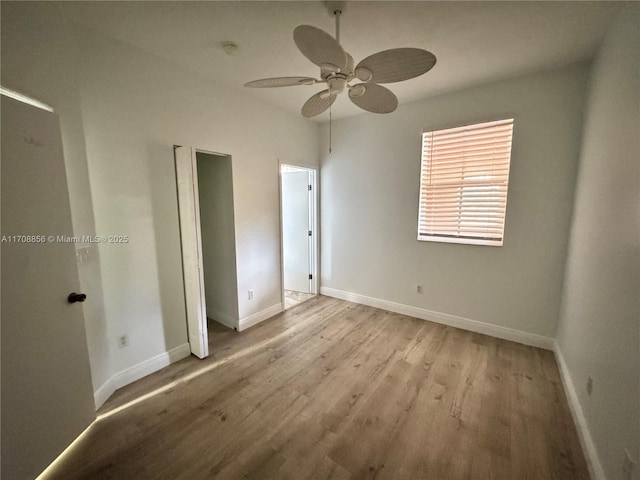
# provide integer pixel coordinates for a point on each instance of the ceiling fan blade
(318, 103)
(280, 82)
(319, 47)
(373, 98)
(395, 65)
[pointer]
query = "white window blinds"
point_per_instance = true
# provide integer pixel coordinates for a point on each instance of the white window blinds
(463, 183)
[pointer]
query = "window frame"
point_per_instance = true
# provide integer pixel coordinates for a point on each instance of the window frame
(467, 240)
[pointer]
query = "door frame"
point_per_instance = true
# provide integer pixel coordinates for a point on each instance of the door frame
(195, 228)
(314, 245)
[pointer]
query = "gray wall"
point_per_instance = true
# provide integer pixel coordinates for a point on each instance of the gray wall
(599, 330)
(370, 186)
(215, 185)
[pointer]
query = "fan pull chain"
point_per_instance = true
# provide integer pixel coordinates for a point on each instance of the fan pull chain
(330, 123)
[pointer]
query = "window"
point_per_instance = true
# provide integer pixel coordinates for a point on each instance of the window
(463, 183)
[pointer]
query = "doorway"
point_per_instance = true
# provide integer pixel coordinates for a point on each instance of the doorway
(215, 195)
(298, 234)
(207, 230)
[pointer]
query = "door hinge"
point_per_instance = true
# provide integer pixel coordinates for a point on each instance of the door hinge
(309, 232)
(309, 187)
(310, 277)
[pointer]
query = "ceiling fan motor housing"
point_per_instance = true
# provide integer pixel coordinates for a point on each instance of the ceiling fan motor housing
(338, 78)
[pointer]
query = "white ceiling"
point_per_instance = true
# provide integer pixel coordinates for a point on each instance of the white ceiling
(474, 42)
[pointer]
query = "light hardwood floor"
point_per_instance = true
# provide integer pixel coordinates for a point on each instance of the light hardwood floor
(335, 390)
(293, 298)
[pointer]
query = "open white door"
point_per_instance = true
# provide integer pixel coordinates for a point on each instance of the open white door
(47, 397)
(296, 228)
(187, 181)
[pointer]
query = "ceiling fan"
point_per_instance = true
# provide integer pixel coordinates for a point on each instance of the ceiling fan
(337, 70)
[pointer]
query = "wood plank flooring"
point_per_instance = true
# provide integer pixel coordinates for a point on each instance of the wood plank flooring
(336, 390)
(293, 298)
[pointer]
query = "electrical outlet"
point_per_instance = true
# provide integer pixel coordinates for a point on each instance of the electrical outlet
(82, 254)
(123, 341)
(628, 465)
(250, 295)
(589, 385)
(419, 288)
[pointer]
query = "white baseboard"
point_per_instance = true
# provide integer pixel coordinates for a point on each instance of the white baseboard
(260, 316)
(588, 447)
(505, 333)
(223, 318)
(103, 392)
(136, 372)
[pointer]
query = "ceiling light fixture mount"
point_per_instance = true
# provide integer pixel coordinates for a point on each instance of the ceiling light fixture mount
(229, 47)
(335, 8)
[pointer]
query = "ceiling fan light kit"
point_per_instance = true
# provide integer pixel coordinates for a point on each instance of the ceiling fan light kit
(338, 69)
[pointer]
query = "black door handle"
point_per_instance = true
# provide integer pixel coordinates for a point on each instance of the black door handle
(76, 297)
